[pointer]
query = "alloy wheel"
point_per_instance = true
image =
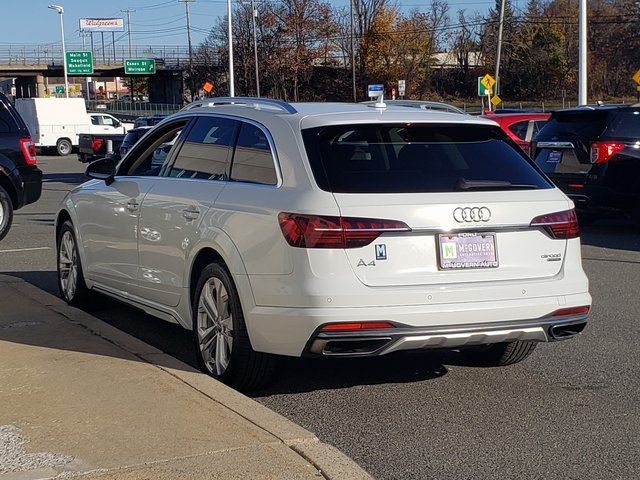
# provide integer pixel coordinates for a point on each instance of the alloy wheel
(215, 326)
(68, 265)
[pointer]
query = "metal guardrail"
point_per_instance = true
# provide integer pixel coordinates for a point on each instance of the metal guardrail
(133, 110)
(51, 54)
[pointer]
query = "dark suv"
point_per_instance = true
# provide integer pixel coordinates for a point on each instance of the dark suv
(20, 179)
(593, 154)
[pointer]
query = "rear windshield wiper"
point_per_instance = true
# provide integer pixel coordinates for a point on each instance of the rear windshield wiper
(464, 184)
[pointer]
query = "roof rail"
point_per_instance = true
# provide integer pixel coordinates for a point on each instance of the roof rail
(253, 102)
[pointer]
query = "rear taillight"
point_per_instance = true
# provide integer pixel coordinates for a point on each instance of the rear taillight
(28, 149)
(96, 144)
(560, 225)
(314, 231)
(601, 152)
(571, 311)
(353, 326)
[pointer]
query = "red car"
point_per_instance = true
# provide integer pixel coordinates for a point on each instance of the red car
(521, 127)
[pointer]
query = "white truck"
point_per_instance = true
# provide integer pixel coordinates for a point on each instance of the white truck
(57, 122)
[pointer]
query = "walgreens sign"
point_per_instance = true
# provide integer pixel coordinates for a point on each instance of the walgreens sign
(102, 24)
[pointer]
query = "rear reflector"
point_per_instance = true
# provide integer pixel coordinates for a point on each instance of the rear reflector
(571, 311)
(560, 225)
(314, 231)
(351, 326)
(601, 152)
(96, 144)
(28, 149)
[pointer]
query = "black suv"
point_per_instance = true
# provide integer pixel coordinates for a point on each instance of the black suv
(20, 179)
(593, 154)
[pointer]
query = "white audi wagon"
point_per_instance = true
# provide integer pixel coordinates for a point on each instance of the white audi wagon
(328, 230)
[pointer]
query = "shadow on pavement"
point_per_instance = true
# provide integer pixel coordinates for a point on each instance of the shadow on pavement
(70, 178)
(616, 235)
(298, 375)
(293, 375)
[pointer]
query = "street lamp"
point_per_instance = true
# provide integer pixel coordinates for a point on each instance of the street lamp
(60, 10)
(230, 34)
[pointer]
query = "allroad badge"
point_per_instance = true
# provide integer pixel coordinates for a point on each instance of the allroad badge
(471, 214)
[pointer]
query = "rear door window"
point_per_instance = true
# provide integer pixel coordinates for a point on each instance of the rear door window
(252, 158)
(206, 150)
(399, 158)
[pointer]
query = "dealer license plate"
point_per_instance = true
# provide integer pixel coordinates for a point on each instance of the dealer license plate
(466, 250)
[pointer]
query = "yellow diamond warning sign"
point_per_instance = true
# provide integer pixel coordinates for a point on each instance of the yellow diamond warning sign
(636, 77)
(488, 81)
(496, 100)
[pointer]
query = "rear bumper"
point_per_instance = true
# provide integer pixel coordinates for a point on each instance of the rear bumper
(380, 342)
(294, 331)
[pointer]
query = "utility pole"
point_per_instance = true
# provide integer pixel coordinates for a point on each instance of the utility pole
(582, 55)
(353, 54)
(230, 35)
(499, 52)
(129, 11)
(191, 79)
(254, 14)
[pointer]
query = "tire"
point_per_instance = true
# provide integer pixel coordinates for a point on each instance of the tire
(71, 284)
(499, 354)
(222, 345)
(6, 213)
(63, 147)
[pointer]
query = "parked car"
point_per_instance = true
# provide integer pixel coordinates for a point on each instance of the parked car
(148, 121)
(92, 146)
(521, 127)
(592, 153)
(20, 178)
(131, 138)
(328, 230)
(58, 122)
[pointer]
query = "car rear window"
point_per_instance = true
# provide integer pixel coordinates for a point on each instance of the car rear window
(625, 125)
(399, 158)
(584, 126)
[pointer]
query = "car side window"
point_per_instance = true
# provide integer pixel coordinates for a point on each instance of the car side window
(252, 158)
(95, 120)
(108, 121)
(205, 151)
(150, 157)
(520, 129)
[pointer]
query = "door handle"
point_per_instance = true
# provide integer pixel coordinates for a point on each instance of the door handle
(190, 213)
(133, 205)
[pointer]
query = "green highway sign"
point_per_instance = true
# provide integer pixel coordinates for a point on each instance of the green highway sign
(59, 89)
(79, 63)
(139, 67)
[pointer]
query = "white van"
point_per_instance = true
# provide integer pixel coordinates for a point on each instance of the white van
(57, 122)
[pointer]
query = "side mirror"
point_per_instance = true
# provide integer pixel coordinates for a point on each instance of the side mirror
(103, 169)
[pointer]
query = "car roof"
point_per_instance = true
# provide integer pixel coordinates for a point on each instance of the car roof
(598, 108)
(315, 114)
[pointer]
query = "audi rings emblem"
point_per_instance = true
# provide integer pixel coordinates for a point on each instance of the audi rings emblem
(472, 214)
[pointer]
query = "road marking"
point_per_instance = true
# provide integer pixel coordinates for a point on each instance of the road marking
(11, 250)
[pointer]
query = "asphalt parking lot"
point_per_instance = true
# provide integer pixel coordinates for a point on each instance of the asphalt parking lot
(572, 410)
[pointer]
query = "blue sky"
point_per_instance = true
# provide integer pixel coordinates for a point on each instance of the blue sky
(155, 22)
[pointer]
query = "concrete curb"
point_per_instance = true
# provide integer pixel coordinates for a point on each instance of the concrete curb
(333, 464)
